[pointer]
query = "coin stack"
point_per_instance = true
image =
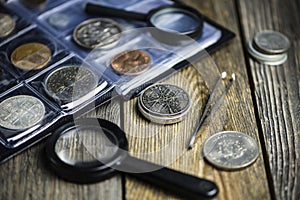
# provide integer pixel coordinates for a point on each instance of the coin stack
(269, 47)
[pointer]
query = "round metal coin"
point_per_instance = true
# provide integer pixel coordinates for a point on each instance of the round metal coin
(271, 42)
(97, 33)
(21, 112)
(131, 62)
(59, 20)
(7, 25)
(274, 59)
(31, 56)
(69, 83)
(164, 103)
(230, 150)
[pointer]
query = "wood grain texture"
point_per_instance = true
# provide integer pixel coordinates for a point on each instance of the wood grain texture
(27, 176)
(235, 114)
(276, 90)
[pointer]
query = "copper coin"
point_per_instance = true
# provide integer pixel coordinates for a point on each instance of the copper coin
(131, 62)
(31, 56)
(7, 25)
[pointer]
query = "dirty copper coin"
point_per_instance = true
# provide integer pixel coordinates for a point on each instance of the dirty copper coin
(131, 62)
(69, 83)
(7, 25)
(21, 112)
(164, 103)
(271, 42)
(230, 150)
(97, 33)
(31, 56)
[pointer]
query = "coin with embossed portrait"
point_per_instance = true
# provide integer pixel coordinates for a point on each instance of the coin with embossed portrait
(230, 150)
(7, 25)
(21, 112)
(70, 82)
(31, 56)
(131, 62)
(97, 33)
(164, 103)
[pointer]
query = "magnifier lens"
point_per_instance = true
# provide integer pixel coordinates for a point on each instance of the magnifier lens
(84, 146)
(175, 20)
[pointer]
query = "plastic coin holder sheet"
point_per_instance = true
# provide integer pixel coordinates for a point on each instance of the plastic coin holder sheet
(47, 32)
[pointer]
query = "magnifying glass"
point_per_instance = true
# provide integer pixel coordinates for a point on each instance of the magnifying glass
(174, 24)
(91, 150)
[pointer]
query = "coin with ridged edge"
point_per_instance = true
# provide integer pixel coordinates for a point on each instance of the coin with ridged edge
(230, 150)
(164, 103)
(21, 112)
(7, 25)
(97, 33)
(131, 62)
(31, 56)
(271, 42)
(269, 59)
(70, 82)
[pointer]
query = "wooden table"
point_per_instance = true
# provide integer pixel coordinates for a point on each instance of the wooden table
(263, 103)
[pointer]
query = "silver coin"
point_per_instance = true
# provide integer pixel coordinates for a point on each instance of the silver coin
(275, 59)
(97, 33)
(21, 112)
(69, 83)
(59, 20)
(7, 25)
(164, 103)
(271, 42)
(230, 150)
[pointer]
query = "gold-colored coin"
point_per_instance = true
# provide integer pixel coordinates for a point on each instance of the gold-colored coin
(31, 56)
(132, 62)
(7, 25)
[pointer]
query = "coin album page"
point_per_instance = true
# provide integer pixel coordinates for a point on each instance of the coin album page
(52, 25)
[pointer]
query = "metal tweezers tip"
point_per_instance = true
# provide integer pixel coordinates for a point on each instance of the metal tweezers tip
(233, 76)
(223, 75)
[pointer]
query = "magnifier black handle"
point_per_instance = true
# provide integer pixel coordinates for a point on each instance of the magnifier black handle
(184, 185)
(96, 9)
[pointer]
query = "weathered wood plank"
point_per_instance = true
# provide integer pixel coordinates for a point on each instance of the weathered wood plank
(27, 176)
(276, 90)
(236, 114)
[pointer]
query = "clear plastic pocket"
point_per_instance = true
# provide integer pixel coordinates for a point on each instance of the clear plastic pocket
(10, 24)
(30, 53)
(69, 84)
(24, 114)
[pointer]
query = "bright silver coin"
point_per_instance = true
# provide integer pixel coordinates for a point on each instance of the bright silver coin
(97, 33)
(275, 59)
(271, 42)
(230, 150)
(21, 112)
(7, 25)
(164, 103)
(70, 82)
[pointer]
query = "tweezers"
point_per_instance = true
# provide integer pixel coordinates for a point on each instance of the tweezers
(208, 104)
